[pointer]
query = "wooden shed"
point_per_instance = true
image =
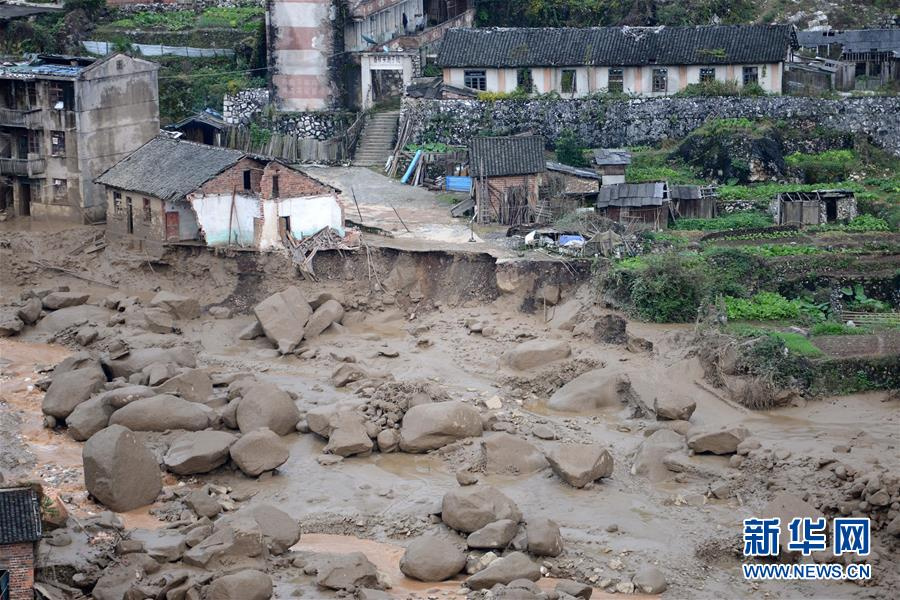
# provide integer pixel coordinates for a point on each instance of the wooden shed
(814, 208)
(693, 201)
(508, 172)
(647, 204)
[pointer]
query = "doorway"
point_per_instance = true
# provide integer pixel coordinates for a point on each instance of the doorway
(129, 214)
(25, 199)
(172, 227)
(830, 211)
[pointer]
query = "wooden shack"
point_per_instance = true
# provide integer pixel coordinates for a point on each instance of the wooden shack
(814, 208)
(508, 172)
(693, 201)
(641, 204)
(611, 164)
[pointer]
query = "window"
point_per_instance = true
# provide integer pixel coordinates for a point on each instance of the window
(660, 80)
(118, 209)
(34, 142)
(55, 95)
(275, 192)
(707, 75)
(567, 82)
(120, 64)
(616, 84)
(477, 80)
(751, 75)
(31, 89)
(58, 143)
(60, 189)
(247, 179)
(147, 212)
(524, 80)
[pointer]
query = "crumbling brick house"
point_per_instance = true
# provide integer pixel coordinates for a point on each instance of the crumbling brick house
(178, 192)
(508, 173)
(20, 530)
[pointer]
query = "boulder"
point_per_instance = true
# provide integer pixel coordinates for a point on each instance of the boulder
(346, 572)
(431, 426)
(182, 307)
(347, 373)
(235, 544)
(544, 538)
(136, 360)
(648, 460)
(717, 441)
(259, 451)
(283, 317)
(65, 318)
(88, 418)
(10, 323)
(349, 436)
(505, 570)
(323, 419)
(193, 385)
(327, 313)
(70, 388)
(535, 353)
(157, 320)
(198, 452)
(610, 329)
(593, 390)
(508, 454)
(388, 440)
(248, 584)
(118, 579)
(203, 504)
(251, 331)
(280, 530)
(575, 589)
(57, 300)
(30, 312)
(649, 580)
(164, 545)
(430, 558)
(580, 464)
(123, 396)
(163, 413)
(265, 405)
(493, 536)
(673, 408)
(119, 471)
(470, 508)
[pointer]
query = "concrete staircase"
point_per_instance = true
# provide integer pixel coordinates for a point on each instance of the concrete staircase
(377, 139)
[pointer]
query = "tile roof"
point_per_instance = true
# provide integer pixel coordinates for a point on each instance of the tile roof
(501, 156)
(615, 46)
(569, 170)
(612, 156)
(854, 40)
(20, 516)
(169, 169)
(633, 194)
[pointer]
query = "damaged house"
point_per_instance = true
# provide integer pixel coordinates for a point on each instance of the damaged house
(644, 204)
(179, 192)
(508, 173)
(814, 208)
(644, 61)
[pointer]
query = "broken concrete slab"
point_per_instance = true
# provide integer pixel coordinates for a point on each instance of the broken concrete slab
(283, 318)
(119, 471)
(431, 426)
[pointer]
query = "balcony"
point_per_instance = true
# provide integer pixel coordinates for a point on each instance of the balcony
(11, 117)
(23, 167)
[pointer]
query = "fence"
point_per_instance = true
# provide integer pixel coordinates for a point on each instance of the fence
(887, 319)
(297, 149)
(104, 48)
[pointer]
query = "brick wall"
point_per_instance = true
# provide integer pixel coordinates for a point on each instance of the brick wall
(233, 178)
(291, 183)
(18, 559)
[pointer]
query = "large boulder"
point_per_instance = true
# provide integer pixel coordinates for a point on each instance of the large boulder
(193, 385)
(280, 530)
(508, 454)
(346, 572)
(123, 396)
(69, 389)
(259, 451)
(163, 413)
(233, 544)
(673, 408)
(30, 311)
(470, 508)
(649, 580)
(136, 360)
(327, 313)
(535, 353)
(544, 538)
(717, 441)
(264, 405)
(10, 323)
(68, 317)
(119, 471)
(182, 307)
(597, 389)
(198, 452)
(431, 426)
(505, 570)
(430, 558)
(283, 317)
(57, 300)
(248, 584)
(493, 536)
(349, 436)
(161, 544)
(88, 418)
(323, 419)
(648, 460)
(580, 464)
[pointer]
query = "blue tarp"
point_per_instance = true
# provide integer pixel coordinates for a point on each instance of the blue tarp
(458, 184)
(565, 239)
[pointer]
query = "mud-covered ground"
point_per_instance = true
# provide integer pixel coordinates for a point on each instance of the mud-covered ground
(685, 519)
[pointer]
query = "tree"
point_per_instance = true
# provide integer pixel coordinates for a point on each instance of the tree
(570, 149)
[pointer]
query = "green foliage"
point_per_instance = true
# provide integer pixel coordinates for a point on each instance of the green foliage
(741, 220)
(834, 328)
(764, 306)
(516, 94)
(240, 17)
(824, 167)
(773, 250)
(570, 149)
(188, 85)
(654, 165)
(662, 288)
(428, 147)
(855, 298)
(720, 88)
(860, 224)
(259, 136)
(432, 70)
(780, 358)
(176, 20)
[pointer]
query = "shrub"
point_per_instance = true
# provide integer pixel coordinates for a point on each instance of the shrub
(516, 94)
(764, 306)
(780, 358)
(824, 167)
(570, 149)
(741, 220)
(833, 328)
(669, 290)
(721, 88)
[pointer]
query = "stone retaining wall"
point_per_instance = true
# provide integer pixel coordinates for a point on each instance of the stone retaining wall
(601, 122)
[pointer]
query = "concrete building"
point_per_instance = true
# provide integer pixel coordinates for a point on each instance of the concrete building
(63, 121)
(352, 53)
(20, 530)
(179, 192)
(644, 61)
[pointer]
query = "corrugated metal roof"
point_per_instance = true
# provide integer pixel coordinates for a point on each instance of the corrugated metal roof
(169, 169)
(632, 194)
(615, 46)
(20, 516)
(512, 155)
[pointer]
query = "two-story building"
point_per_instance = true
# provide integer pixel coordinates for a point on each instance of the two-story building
(642, 61)
(63, 121)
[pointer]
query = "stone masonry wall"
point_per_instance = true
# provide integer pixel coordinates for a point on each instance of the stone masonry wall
(608, 123)
(127, 7)
(246, 105)
(241, 107)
